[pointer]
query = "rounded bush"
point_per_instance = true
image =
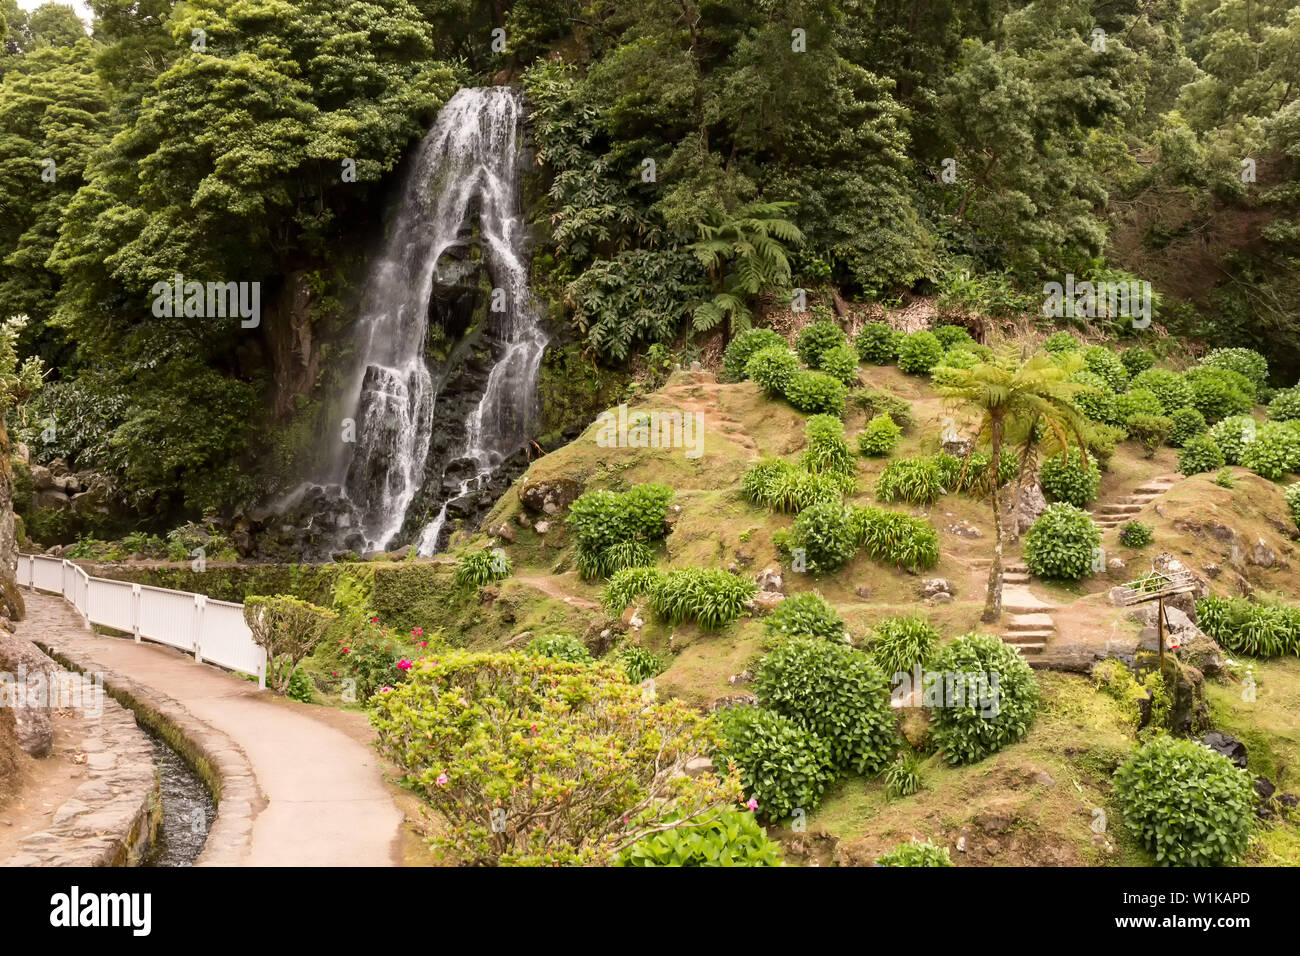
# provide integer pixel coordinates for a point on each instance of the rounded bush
(561, 647)
(836, 693)
(1135, 534)
(816, 392)
(742, 349)
(711, 597)
(825, 533)
(1170, 388)
(604, 520)
(773, 368)
(891, 537)
(729, 838)
(827, 450)
(482, 566)
(917, 853)
(1106, 363)
(942, 373)
(1218, 393)
(1293, 501)
(1138, 401)
(1001, 696)
(783, 767)
(816, 339)
(919, 353)
(951, 335)
(1062, 543)
(1188, 423)
(806, 615)
(1187, 804)
(1285, 405)
(1137, 359)
(1232, 435)
(1151, 431)
(1059, 342)
(1247, 363)
(785, 487)
(841, 363)
(1096, 400)
(916, 481)
(880, 437)
(878, 343)
(1066, 477)
(900, 643)
(1275, 450)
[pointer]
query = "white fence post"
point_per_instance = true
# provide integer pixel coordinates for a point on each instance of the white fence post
(135, 612)
(199, 603)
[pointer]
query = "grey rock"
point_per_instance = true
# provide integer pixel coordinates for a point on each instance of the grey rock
(769, 579)
(1228, 745)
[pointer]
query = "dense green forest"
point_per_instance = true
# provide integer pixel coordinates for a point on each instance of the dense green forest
(697, 161)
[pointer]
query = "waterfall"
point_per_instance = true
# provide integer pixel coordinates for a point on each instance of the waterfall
(461, 196)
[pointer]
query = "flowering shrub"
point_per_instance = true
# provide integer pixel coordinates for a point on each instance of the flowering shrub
(533, 761)
(1293, 501)
(806, 615)
(730, 838)
(743, 347)
(878, 343)
(1136, 359)
(1151, 431)
(1059, 342)
(1096, 400)
(1285, 405)
(1199, 454)
(482, 566)
(289, 630)
(1169, 387)
(1247, 363)
(1275, 450)
(1136, 402)
(560, 647)
(1232, 435)
(917, 853)
(816, 339)
(1135, 534)
(782, 767)
(969, 733)
(1187, 804)
(952, 335)
(1102, 361)
(1067, 477)
(373, 659)
(1061, 542)
(919, 353)
(880, 437)
(1218, 393)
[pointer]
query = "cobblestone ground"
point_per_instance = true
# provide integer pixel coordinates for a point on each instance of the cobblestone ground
(295, 791)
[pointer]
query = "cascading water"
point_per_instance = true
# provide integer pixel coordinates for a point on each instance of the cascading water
(461, 198)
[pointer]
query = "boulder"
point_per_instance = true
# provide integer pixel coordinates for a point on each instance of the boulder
(1024, 508)
(956, 446)
(932, 587)
(1228, 745)
(1116, 566)
(1201, 651)
(42, 478)
(1190, 713)
(1261, 555)
(34, 676)
(769, 579)
(52, 499)
(766, 601)
(59, 467)
(698, 766)
(91, 501)
(549, 496)
(542, 527)
(22, 452)
(964, 529)
(504, 532)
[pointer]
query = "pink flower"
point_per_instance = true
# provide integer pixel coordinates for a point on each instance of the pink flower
(346, 650)
(374, 620)
(751, 803)
(442, 780)
(385, 690)
(424, 643)
(417, 631)
(404, 664)
(336, 673)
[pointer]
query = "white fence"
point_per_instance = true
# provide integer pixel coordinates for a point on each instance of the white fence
(213, 631)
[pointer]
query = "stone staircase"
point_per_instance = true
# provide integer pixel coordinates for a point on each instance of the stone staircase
(1115, 513)
(1026, 619)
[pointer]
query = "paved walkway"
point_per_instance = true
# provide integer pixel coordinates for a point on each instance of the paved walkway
(323, 801)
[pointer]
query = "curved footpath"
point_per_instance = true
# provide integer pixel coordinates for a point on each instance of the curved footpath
(294, 790)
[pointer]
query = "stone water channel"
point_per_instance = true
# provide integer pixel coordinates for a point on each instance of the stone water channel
(187, 808)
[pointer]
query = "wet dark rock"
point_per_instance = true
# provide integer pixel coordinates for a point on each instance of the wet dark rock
(1228, 745)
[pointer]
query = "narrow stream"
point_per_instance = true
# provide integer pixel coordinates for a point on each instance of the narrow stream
(187, 809)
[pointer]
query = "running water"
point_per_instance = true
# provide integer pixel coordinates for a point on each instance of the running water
(462, 192)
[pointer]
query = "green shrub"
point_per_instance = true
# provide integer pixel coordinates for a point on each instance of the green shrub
(1187, 804)
(624, 587)
(1260, 629)
(917, 853)
(1104, 362)
(952, 335)
(785, 487)
(903, 776)
(1062, 543)
(880, 437)
(742, 349)
(1285, 405)
(806, 615)
(711, 597)
(893, 538)
(919, 353)
(878, 403)
(1232, 435)
(1247, 363)
(841, 363)
(827, 450)
(1198, 455)
(1059, 342)
(773, 368)
(942, 373)
(824, 532)
(288, 629)
(900, 643)
(1151, 431)
(999, 700)
(1275, 450)
(1137, 402)
(878, 343)
(816, 393)
(640, 664)
(1293, 501)
(1136, 359)
(836, 693)
(816, 339)
(731, 838)
(1068, 477)
(373, 655)
(916, 481)
(1135, 534)
(560, 647)
(1096, 400)
(1188, 424)
(603, 519)
(1218, 393)
(475, 731)
(1224, 479)
(782, 766)
(1169, 387)
(300, 687)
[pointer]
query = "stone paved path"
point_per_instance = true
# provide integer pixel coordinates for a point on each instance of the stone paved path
(324, 801)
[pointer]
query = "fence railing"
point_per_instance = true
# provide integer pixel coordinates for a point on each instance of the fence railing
(213, 631)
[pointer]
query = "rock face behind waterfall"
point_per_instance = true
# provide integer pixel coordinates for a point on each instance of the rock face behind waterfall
(448, 346)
